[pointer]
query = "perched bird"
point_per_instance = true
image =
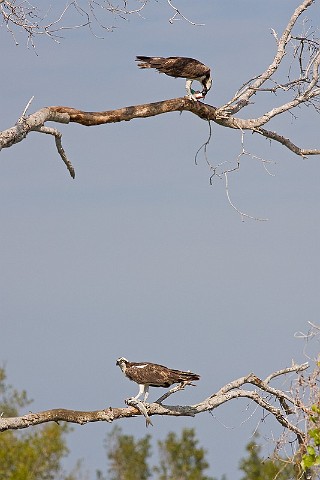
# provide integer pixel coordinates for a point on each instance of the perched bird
(147, 374)
(183, 67)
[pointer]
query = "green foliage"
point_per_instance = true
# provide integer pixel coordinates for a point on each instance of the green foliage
(181, 458)
(29, 456)
(256, 468)
(34, 456)
(312, 457)
(127, 456)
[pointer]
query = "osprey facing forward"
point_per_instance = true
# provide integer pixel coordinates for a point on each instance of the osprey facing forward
(148, 374)
(184, 67)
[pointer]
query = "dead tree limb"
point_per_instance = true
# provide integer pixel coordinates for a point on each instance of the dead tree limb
(37, 19)
(307, 75)
(60, 114)
(262, 394)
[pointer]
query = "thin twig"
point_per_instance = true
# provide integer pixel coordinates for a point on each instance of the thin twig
(57, 135)
(242, 214)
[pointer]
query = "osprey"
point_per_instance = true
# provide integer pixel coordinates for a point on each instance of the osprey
(147, 374)
(183, 67)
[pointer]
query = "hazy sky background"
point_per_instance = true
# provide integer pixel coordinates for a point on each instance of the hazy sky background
(139, 256)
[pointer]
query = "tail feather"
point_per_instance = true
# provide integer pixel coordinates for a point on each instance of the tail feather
(185, 376)
(149, 62)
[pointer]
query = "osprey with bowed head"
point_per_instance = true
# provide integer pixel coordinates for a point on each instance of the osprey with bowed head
(184, 67)
(147, 374)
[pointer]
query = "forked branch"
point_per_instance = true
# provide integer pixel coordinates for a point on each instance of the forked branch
(59, 114)
(35, 19)
(307, 75)
(288, 409)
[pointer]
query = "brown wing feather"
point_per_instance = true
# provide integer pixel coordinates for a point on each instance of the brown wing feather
(157, 375)
(184, 67)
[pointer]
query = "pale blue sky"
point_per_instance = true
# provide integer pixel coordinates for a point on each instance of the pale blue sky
(139, 256)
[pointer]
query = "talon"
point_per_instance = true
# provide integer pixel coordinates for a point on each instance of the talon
(191, 97)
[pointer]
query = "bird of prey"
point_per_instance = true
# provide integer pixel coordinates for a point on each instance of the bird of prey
(184, 67)
(147, 374)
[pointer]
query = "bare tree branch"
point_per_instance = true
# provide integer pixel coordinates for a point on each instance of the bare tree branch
(303, 152)
(230, 391)
(34, 20)
(179, 15)
(60, 114)
(250, 89)
(61, 151)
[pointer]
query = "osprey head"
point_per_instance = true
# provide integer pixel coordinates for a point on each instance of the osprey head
(122, 363)
(206, 82)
